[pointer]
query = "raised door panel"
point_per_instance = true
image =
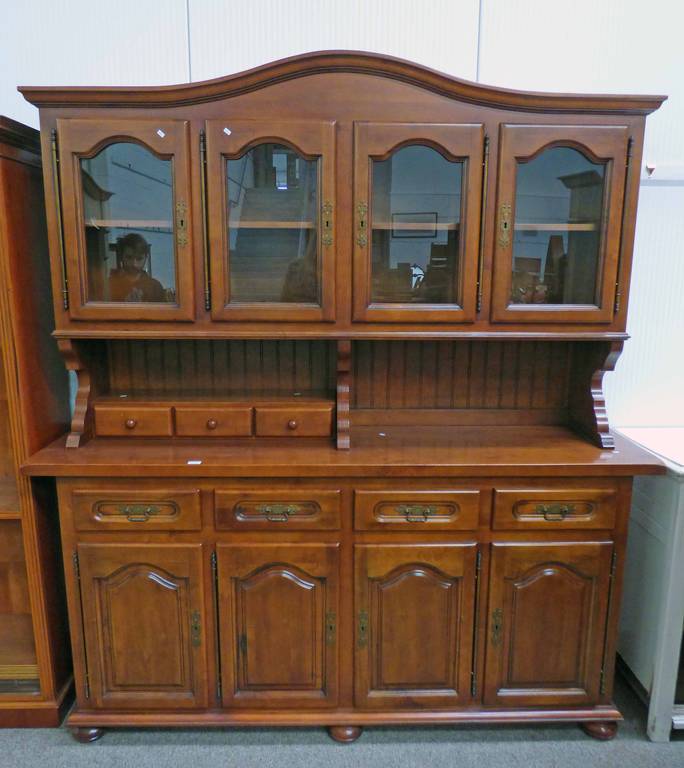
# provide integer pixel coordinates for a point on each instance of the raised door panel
(271, 204)
(559, 219)
(143, 614)
(414, 624)
(417, 199)
(125, 191)
(548, 606)
(278, 609)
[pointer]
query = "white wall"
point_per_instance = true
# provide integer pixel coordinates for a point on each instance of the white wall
(622, 46)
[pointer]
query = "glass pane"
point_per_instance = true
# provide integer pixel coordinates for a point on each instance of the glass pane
(557, 232)
(128, 209)
(273, 226)
(415, 215)
(18, 666)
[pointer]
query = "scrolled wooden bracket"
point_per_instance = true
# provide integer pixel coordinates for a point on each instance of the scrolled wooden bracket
(343, 393)
(587, 402)
(82, 419)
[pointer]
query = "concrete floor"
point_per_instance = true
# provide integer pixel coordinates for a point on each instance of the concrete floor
(562, 746)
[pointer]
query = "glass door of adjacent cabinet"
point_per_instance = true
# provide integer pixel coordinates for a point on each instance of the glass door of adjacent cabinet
(559, 210)
(271, 203)
(127, 220)
(417, 193)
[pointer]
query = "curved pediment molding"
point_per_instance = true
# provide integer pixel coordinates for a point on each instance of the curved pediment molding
(320, 62)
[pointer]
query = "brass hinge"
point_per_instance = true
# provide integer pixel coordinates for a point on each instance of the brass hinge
(473, 672)
(243, 644)
(58, 211)
(205, 235)
(77, 566)
(628, 162)
(86, 674)
(483, 212)
(611, 579)
(214, 579)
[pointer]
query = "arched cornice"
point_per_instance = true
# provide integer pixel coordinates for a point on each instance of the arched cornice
(336, 61)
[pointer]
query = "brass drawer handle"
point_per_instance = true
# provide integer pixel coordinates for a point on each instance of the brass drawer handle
(277, 513)
(138, 513)
(497, 627)
(555, 512)
(362, 234)
(292, 424)
(416, 513)
(131, 423)
(505, 225)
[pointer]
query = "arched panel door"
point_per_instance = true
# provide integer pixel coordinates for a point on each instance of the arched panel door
(271, 204)
(417, 197)
(414, 608)
(278, 607)
(559, 221)
(548, 608)
(125, 192)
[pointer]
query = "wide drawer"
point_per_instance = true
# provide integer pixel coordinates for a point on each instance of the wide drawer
(294, 421)
(219, 421)
(277, 509)
(154, 509)
(554, 508)
(143, 421)
(400, 510)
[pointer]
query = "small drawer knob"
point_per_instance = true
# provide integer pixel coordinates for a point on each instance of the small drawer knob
(212, 423)
(131, 423)
(292, 424)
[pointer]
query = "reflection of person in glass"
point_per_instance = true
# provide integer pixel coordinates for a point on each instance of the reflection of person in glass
(130, 281)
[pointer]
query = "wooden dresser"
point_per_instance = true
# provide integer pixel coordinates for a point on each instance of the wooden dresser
(339, 454)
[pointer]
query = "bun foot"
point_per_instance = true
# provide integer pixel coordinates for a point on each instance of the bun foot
(344, 733)
(87, 735)
(603, 730)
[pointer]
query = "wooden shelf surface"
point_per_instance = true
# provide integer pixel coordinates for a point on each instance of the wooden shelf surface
(271, 224)
(562, 226)
(131, 223)
(375, 451)
(17, 646)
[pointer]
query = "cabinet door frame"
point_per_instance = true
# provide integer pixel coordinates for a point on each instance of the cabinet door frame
(167, 139)
(179, 565)
(510, 562)
(456, 142)
(599, 143)
(229, 139)
(439, 561)
(306, 563)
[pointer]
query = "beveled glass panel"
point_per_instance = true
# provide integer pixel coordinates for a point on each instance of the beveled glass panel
(557, 230)
(273, 226)
(415, 218)
(129, 233)
(18, 665)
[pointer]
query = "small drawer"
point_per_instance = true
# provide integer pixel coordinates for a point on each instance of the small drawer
(294, 421)
(277, 509)
(156, 509)
(401, 510)
(556, 508)
(142, 421)
(222, 421)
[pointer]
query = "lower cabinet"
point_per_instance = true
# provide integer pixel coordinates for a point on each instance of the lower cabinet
(548, 608)
(278, 609)
(414, 624)
(144, 625)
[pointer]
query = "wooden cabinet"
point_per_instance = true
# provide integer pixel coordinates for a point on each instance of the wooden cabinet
(145, 625)
(279, 608)
(414, 624)
(546, 630)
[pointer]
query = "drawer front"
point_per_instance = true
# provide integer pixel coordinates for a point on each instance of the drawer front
(154, 509)
(295, 421)
(222, 421)
(143, 421)
(544, 509)
(410, 510)
(277, 509)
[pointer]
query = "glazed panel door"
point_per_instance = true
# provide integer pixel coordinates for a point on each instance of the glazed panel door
(278, 607)
(125, 192)
(559, 219)
(271, 204)
(417, 198)
(414, 608)
(144, 625)
(548, 607)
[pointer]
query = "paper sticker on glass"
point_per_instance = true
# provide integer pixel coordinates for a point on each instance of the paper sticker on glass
(273, 226)
(557, 232)
(129, 235)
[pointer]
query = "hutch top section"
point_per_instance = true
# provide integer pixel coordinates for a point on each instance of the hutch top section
(342, 195)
